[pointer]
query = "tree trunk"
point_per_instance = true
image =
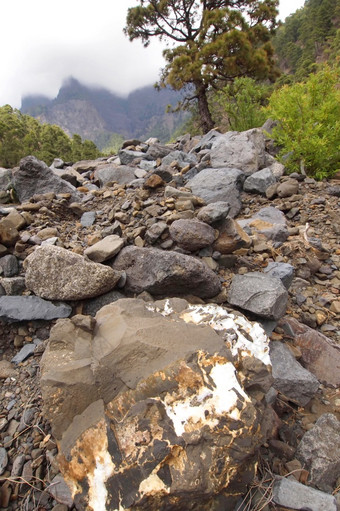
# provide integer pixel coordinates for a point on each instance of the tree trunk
(207, 123)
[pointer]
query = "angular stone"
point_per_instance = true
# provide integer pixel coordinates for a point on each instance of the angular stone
(259, 181)
(293, 495)
(259, 293)
(192, 235)
(26, 351)
(5, 178)
(290, 378)
(319, 452)
(232, 237)
(171, 395)
(3, 460)
(283, 271)
(319, 354)
(244, 151)
(29, 308)
(166, 273)
(93, 305)
(88, 218)
(9, 265)
(215, 185)
(214, 212)
(59, 490)
(58, 274)
(156, 151)
(268, 221)
(13, 285)
(127, 156)
(105, 249)
(181, 158)
(155, 231)
(121, 174)
(35, 177)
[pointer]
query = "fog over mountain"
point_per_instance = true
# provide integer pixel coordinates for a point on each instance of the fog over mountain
(97, 113)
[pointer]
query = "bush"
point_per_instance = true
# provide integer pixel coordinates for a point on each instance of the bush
(242, 101)
(309, 123)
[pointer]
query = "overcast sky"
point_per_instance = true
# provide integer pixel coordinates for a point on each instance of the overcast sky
(42, 42)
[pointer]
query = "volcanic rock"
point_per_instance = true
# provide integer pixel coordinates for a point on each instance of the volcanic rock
(192, 235)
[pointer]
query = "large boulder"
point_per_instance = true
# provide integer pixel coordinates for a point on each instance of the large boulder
(165, 273)
(59, 274)
(244, 151)
(260, 294)
(215, 185)
(259, 181)
(35, 177)
(148, 409)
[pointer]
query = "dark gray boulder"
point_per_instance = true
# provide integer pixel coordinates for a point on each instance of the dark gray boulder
(283, 271)
(290, 378)
(35, 177)
(260, 294)
(29, 308)
(259, 181)
(215, 185)
(165, 273)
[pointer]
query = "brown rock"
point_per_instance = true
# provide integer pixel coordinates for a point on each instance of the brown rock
(154, 181)
(232, 237)
(8, 234)
(192, 235)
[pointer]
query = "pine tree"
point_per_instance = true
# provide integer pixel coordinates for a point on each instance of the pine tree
(216, 41)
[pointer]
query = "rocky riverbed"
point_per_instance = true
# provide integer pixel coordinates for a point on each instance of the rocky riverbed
(211, 220)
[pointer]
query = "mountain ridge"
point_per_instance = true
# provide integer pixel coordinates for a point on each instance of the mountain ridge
(97, 114)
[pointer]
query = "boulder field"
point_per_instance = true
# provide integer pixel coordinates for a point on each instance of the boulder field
(169, 331)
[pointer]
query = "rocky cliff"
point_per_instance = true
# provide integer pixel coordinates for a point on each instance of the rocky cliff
(96, 113)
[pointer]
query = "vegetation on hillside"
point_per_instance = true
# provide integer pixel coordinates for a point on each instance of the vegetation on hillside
(216, 41)
(22, 135)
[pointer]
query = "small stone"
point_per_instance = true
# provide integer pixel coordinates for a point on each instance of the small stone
(293, 495)
(88, 218)
(105, 249)
(154, 181)
(6, 369)
(9, 265)
(3, 460)
(24, 353)
(335, 307)
(60, 491)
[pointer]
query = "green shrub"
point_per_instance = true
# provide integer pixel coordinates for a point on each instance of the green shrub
(309, 123)
(241, 101)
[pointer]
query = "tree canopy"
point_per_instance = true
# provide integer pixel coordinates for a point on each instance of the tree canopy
(22, 135)
(214, 42)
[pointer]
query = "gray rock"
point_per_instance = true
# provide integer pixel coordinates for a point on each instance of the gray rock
(156, 151)
(59, 490)
(145, 166)
(155, 231)
(127, 156)
(5, 178)
(29, 308)
(206, 141)
(3, 460)
(244, 151)
(121, 174)
(259, 181)
(268, 221)
(88, 218)
(259, 293)
(192, 235)
(214, 212)
(105, 249)
(290, 378)
(166, 273)
(183, 159)
(9, 265)
(26, 351)
(319, 452)
(215, 185)
(93, 305)
(293, 495)
(35, 177)
(283, 271)
(59, 274)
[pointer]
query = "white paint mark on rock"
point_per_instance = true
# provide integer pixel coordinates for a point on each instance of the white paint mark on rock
(104, 469)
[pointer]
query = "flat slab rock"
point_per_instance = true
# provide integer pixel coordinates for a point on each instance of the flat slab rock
(177, 425)
(29, 308)
(166, 273)
(59, 274)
